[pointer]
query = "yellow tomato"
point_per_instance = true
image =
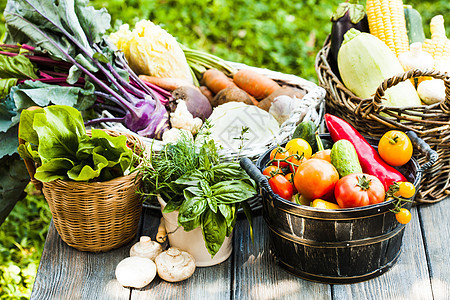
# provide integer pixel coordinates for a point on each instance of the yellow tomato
(395, 148)
(319, 203)
(299, 146)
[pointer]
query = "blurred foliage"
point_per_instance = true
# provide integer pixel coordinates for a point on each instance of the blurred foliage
(22, 238)
(279, 35)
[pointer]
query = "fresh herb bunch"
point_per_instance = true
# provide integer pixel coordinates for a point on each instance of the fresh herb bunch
(206, 191)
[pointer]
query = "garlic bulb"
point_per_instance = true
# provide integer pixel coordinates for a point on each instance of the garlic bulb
(146, 248)
(135, 272)
(175, 265)
(415, 58)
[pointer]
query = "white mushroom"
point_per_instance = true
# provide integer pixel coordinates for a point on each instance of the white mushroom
(175, 265)
(135, 272)
(146, 248)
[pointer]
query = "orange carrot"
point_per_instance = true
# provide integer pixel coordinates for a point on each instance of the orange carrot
(257, 85)
(167, 83)
(216, 80)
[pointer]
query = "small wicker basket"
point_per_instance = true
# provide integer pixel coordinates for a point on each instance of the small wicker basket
(95, 216)
(370, 117)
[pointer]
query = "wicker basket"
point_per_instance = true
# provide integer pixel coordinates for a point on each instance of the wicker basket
(311, 107)
(97, 216)
(370, 117)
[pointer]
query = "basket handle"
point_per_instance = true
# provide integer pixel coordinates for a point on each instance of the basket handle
(424, 148)
(29, 163)
(390, 82)
(256, 175)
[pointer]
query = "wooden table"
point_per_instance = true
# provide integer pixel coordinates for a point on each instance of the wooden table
(422, 272)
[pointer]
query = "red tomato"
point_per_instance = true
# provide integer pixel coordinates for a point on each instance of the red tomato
(290, 177)
(270, 171)
(315, 178)
(296, 161)
(356, 190)
(281, 186)
(279, 153)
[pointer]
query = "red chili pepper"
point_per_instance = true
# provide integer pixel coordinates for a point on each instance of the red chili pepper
(370, 160)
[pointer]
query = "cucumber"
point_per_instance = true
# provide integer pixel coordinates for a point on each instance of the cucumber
(307, 131)
(414, 26)
(344, 158)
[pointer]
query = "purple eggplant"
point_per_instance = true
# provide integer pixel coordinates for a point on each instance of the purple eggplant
(349, 14)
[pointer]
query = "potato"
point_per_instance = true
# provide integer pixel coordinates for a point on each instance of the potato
(266, 103)
(231, 94)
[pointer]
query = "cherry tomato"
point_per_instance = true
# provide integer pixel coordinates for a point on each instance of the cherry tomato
(290, 178)
(404, 216)
(319, 203)
(299, 146)
(358, 189)
(296, 160)
(395, 148)
(315, 178)
(271, 171)
(281, 186)
(406, 190)
(279, 153)
(324, 154)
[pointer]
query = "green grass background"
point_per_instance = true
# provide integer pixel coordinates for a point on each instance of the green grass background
(280, 35)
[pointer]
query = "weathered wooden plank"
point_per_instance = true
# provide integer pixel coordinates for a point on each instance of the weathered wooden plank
(257, 276)
(206, 283)
(408, 278)
(435, 224)
(66, 273)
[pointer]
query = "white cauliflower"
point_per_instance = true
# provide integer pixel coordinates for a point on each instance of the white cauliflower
(151, 50)
(174, 134)
(181, 118)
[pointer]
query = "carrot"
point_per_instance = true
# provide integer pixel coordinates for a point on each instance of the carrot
(257, 85)
(167, 83)
(216, 80)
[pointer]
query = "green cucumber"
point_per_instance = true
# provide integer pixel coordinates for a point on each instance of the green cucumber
(414, 26)
(307, 131)
(344, 158)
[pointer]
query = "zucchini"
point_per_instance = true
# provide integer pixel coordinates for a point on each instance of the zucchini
(344, 158)
(307, 131)
(414, 26)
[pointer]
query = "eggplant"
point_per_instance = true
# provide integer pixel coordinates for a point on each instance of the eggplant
(349, 14)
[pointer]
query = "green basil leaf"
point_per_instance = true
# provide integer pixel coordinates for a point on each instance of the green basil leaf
(212, 202)
(56, 168)
(229, 212)
(172, 205)
(190, 212)
(190, 178)
(205, 188)
(214, 229)
(194, 190)
(232, 191)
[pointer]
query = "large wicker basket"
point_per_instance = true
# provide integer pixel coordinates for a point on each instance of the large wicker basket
(310, 108)
(370, 117)
(95, 216)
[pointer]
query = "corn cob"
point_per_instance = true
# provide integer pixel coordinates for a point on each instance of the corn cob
(439, 45)
(387, 22)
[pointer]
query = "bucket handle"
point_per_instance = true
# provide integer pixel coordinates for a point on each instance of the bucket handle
(256, 175)
(425, 149)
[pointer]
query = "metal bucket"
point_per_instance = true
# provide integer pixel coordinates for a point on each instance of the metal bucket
(334, 246)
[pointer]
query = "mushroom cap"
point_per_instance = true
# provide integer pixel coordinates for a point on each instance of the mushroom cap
(146, 248)
(135, 272)
(175, 265)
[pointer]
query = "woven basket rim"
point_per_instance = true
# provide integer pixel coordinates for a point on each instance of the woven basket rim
(315, 94)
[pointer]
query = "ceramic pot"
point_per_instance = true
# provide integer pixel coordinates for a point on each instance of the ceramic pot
(192, 241)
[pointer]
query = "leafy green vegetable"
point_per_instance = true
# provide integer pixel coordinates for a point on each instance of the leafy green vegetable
(16, 67)
(205, 191)
(56, 138)
(42, 94)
